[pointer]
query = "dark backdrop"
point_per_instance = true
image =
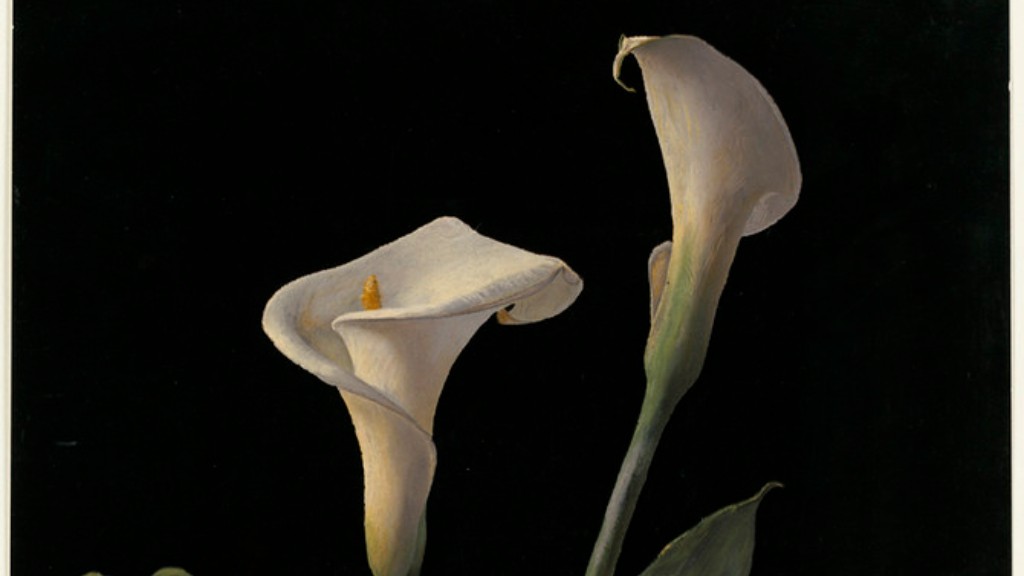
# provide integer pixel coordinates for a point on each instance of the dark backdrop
(178, 161)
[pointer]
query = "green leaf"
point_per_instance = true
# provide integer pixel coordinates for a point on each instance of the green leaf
(721, 545)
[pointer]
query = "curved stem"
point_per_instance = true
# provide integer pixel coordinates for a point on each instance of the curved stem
(680, 331)
(628, 486)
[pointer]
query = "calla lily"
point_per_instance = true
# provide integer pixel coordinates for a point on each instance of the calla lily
(385, 329)
(732, 171)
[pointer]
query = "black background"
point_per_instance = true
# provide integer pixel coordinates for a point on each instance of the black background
(177, 161)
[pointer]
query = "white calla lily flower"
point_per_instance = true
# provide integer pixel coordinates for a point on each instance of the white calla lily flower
(385, 329)
(732, 171)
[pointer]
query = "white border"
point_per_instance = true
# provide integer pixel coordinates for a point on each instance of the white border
(6, 197)
(1016, 271)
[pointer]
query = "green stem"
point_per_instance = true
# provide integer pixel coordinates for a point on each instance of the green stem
(628, 485)
(673, 359)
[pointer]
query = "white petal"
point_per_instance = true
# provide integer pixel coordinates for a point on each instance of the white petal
(398, 469)
(442, 269)
(726, 147)
(408, 358)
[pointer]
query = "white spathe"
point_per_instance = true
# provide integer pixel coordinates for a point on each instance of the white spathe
(732, 171)
(437, 286)
(727, 150)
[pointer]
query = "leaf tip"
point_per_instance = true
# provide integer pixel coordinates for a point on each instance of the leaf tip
(756, 498)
